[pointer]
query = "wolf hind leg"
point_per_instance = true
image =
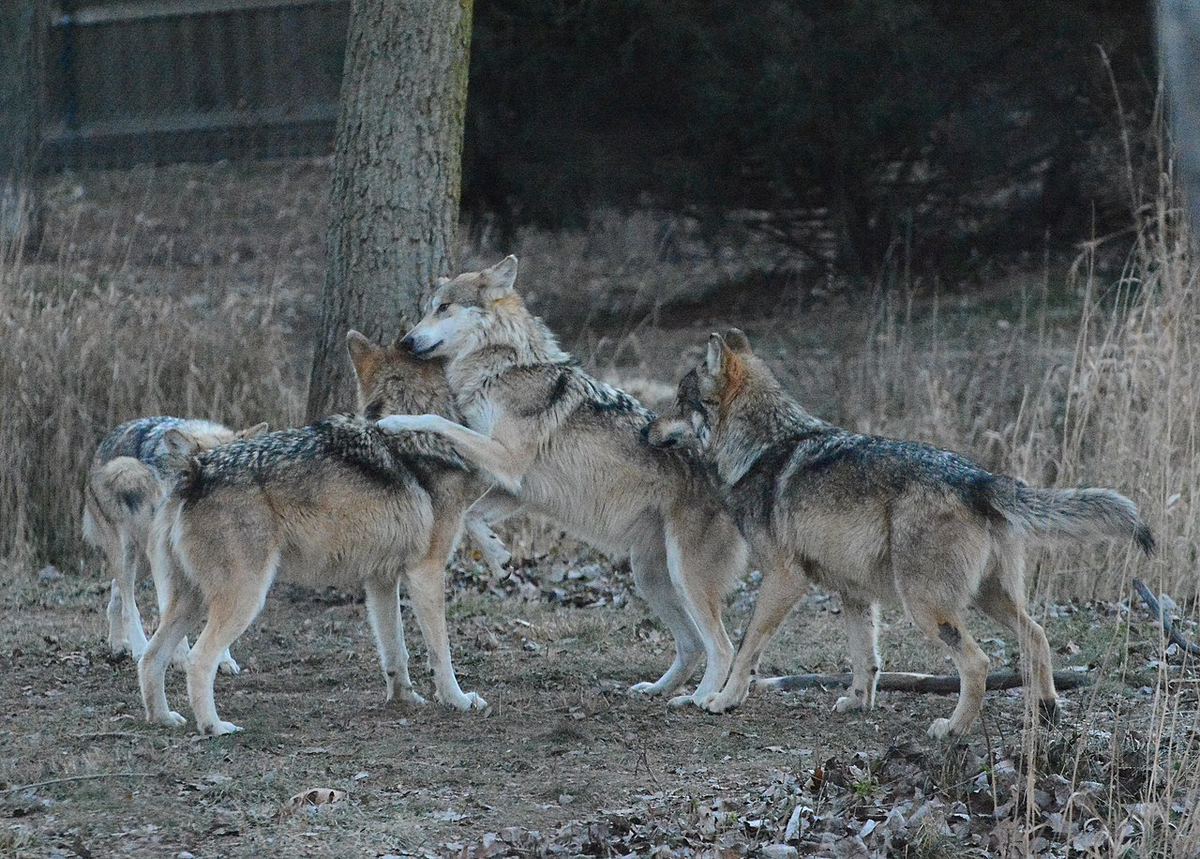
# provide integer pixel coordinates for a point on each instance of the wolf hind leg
(230, 611)
(862, 627)
(701, 565)
(132, 636)
(944, 625)
(383, 610)
(652, 579)
(184, 609)
(1002, 597)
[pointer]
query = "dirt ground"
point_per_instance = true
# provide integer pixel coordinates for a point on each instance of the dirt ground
(563, 762)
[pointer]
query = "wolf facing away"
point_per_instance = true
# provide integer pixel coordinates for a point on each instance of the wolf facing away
(572, 449)
(129, 476)
(876, 519)
(338, 502)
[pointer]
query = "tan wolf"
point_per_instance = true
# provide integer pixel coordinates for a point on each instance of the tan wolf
(876, 519)
(573, 449)
(338, 502)
(128, 478)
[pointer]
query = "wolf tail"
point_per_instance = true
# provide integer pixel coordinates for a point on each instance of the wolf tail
(126, 482)
(1078, 515)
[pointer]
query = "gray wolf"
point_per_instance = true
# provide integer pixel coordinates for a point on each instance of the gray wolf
(130, 474)
(875, 519)
(572, 449)
(338, 502)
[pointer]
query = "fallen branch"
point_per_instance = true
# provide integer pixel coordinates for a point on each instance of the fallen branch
(37, 784)
(1164, 617)
(904, 681)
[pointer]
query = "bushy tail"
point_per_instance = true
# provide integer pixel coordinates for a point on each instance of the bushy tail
(1079, 515)
(125, 485)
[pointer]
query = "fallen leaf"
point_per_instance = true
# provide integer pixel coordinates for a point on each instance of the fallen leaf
(312, 796)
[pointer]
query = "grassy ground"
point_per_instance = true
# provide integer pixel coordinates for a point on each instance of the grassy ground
(563, 751)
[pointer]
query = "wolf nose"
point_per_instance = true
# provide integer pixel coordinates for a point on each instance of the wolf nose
(408, 344)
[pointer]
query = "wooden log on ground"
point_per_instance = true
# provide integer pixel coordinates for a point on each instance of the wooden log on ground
(905, 681)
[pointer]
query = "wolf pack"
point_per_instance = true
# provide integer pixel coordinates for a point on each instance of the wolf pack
(477, 414)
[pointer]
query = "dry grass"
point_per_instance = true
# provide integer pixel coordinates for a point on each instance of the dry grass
(79, 358)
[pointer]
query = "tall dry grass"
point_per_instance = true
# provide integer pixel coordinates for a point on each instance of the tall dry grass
(80, 358)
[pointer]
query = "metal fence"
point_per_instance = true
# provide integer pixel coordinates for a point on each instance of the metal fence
(132, 81)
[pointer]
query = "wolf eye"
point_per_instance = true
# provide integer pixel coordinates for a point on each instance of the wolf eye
(443, 307)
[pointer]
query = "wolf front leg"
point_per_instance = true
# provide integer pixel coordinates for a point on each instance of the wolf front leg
(506, 467)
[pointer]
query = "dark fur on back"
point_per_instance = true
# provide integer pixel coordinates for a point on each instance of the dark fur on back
(138, 439)
(385, 459)
(766, 445)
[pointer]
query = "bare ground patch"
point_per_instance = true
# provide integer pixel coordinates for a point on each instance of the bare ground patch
(564, 761)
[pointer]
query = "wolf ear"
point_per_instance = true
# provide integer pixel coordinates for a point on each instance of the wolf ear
(364, 354)
(715, 359)
(251, 432)
(499, 279)
(180, 446)
(442, 281)
(737, 341)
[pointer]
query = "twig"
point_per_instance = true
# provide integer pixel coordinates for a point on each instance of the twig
(37, 784)
(1164, 617)
(904, 681)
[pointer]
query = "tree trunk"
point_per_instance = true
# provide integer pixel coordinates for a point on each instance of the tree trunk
(1179, 44)
(19, 85)
(396, 176)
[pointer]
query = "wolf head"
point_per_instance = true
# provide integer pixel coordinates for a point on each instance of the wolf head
(708, 396)
(464, 313)
(392, 381)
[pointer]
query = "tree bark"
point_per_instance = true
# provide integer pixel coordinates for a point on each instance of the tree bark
(1179, 45)
(19, 131)
(396, 177)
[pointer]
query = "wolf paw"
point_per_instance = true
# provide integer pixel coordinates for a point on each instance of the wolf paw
(940, 729)
(405, 693)
(401, 423)
(219, 728)
(1048, 712)
(682, 701)
(464, 701)
(848, 704)
(229, 665)
(170, 719)
(410, 696)
(719, 702)
(497, 560)
(119, 649)
(645, 689)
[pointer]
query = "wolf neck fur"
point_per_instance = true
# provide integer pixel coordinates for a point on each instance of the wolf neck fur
(766, 415)
(514, 337)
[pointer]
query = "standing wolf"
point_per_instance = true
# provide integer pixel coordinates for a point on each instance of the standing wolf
(875, 519)
(129, 476)
(573, 449)
(338, 502)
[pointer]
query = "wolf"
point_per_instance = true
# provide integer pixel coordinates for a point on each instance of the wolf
(572, 449)
(338, 502)
(875, 519)
(128, 478)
